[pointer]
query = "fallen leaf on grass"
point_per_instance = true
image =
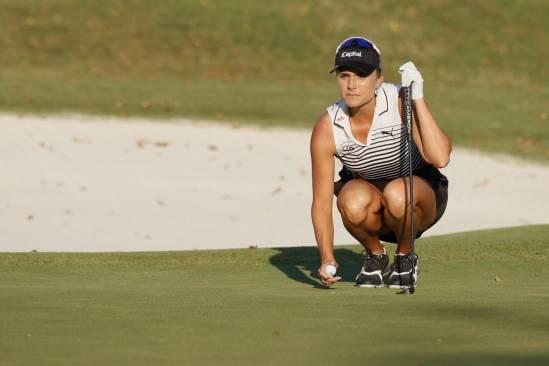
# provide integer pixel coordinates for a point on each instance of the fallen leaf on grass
(439, 340)
(275, 332)
(277, 190)
(497, 279)
(146, 104)
(252, 247)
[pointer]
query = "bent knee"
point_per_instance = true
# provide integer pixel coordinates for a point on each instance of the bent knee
(356, 209)
(396, 199)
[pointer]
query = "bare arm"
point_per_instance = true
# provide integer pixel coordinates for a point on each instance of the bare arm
(434, 145)
(322, 157)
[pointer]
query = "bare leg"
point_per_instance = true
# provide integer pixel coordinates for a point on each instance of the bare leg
(397, 210)
(361, 205)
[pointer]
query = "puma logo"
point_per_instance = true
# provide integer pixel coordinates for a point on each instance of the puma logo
(388, 133)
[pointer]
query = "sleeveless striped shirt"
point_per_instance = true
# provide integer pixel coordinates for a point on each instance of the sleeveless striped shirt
(385, 154)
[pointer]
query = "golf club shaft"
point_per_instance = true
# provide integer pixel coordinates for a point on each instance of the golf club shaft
(408, 103)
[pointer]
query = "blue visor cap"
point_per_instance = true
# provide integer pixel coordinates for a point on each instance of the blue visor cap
(357, 57)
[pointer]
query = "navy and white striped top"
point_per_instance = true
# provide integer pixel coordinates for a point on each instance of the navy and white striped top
(385, 154)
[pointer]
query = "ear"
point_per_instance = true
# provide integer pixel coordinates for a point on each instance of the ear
(379, 80)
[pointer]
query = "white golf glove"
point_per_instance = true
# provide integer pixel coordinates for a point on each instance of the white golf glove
(410, 74)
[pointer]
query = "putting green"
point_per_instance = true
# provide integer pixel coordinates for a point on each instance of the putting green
(265, 306)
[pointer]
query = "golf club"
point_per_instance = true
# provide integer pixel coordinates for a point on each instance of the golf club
(408, 105)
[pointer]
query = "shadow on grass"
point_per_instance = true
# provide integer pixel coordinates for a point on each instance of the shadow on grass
(302, 264)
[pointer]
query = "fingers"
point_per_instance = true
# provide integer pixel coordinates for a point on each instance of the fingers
(325, 278)
(329, 281)
(407, 66)
(410, 75)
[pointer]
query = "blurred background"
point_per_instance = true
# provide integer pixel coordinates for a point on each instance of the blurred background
(96, 99)
(267, 62)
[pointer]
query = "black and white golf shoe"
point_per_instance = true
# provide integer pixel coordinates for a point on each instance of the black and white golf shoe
(402, 276)
(374, 268)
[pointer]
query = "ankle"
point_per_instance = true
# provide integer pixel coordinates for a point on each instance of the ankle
(377, 249)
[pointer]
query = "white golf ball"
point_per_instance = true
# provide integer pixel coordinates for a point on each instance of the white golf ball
(330, 270)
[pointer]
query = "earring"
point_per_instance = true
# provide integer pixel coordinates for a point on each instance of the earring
(376, 91)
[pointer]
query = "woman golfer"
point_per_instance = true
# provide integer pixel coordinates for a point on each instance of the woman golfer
(366, 130)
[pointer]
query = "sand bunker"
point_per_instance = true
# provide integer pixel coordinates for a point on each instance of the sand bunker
(90, 184)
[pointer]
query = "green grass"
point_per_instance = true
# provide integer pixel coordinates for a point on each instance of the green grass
(265, 306)
(267, 63)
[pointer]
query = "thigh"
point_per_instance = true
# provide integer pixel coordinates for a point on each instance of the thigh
(424, 198)
(359, 192)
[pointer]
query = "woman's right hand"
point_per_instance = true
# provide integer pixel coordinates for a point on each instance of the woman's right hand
(326, 279)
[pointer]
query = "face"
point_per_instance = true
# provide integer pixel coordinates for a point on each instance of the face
(355, 88)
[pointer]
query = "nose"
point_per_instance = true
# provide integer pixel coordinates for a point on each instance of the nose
(352, 82)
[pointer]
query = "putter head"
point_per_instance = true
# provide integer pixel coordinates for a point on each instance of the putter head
(407, 291)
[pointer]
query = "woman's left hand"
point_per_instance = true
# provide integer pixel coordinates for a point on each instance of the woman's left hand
(411, 75)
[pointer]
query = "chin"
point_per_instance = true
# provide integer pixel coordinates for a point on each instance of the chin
(353, 103)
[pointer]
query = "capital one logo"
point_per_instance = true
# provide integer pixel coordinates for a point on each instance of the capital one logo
(351, 54)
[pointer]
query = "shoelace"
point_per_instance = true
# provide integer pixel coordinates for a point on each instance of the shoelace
(403, 263)
(372, 262)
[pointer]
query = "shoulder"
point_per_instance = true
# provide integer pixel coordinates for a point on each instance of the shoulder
(323, 126)
(323, 137)
(391, 89)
